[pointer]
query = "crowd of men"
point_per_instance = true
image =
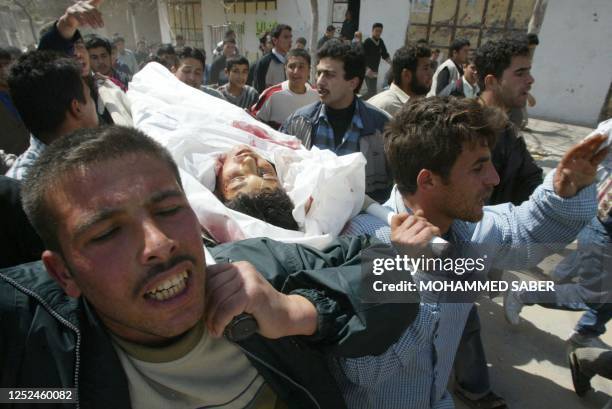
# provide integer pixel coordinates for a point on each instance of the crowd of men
(120, 299)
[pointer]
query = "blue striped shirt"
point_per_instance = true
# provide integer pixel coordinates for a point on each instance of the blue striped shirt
(324, 138)
(413, 373)
(26, 160)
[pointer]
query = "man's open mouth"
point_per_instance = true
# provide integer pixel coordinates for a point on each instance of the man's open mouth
(169, 288)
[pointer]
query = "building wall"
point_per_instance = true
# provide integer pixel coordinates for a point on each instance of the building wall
(395, 17)
(573, 65)
(142, 22)
(296, 13)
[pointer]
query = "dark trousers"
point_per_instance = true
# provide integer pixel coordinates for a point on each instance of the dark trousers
(471, 372)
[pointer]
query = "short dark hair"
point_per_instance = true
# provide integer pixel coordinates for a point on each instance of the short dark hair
(236, 60)
(494, 57)
(264, 38)
(43, 85)
(83, 148)
(95, 41)
(229, 33)
(377, 25)
(273, 206)
(165, 49)
(301, 40)
(297, 52)
(407, 57)
(179, 37)
(195, 53)
(532, 39)
(330, 28)
(430, 133)
(351, 56)
(118, 39)
(457, 45)
(229, 40)
(5, 54)
(276, 32)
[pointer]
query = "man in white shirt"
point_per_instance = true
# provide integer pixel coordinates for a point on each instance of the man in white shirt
(412, 76)
(276, 103)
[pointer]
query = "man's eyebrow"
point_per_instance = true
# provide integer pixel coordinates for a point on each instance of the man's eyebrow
(110, 212)
(482, 159)
(165, 194)
(522, 69)
(100, 216)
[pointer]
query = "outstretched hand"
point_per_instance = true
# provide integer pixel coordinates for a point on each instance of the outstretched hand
(578, 167)
(80, 14)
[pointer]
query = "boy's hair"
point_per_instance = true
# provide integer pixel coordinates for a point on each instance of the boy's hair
(95, 41)
(297, 52)
(76, 152)
(330, 28)
(237, 60)
(431, 133)
(301, 40)
(195, 53)
(276, 32)
(494, 57)
(377, 25)
(532, 39)
(270, 205)
(407, 57)
(43, 85)
(351, 56)
(457, 45)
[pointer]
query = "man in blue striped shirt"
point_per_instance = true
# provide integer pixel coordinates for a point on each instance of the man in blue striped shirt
(439, 153)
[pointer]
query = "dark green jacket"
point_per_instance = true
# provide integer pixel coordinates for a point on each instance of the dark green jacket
(50, 340)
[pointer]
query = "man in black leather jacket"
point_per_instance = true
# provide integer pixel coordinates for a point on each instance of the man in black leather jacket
(128, 283)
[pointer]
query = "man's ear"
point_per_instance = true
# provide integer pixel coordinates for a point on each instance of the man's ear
(57, 268)
(406, 77)
(490, 81)
(354, 83)
(425, 180)
(76, 110)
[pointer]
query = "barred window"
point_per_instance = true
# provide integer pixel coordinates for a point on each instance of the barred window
(248, 6)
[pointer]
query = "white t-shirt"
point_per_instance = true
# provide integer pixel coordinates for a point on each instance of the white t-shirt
(197, 371)
(278, 102)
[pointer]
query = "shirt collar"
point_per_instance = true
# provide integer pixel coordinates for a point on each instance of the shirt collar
(357, 121)
(281, 57)
(36, 143)
(401, 95)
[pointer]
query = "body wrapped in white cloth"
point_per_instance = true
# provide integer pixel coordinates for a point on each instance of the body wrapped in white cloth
(197, 129)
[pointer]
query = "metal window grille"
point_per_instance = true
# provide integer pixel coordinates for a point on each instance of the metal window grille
(185, 18)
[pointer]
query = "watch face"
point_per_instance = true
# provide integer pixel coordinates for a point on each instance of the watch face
(241, 328)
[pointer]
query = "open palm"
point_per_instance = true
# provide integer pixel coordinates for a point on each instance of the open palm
(578, 167)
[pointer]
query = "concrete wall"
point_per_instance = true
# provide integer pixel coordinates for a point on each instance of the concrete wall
(395, 17)
(296, 13)
(142, 21)
(573, 65)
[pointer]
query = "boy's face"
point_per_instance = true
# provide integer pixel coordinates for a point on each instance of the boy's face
(297, 70)
(190, 72)
(238, 74)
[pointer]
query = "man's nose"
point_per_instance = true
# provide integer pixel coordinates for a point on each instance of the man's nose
(158, 247)
(492, 177)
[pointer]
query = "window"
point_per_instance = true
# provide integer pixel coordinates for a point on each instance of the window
(185, 18)
(248, 6)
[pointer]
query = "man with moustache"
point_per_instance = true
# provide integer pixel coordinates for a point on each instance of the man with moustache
(341, 121)
(439, 152)
(411, 78)
(129, 313)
